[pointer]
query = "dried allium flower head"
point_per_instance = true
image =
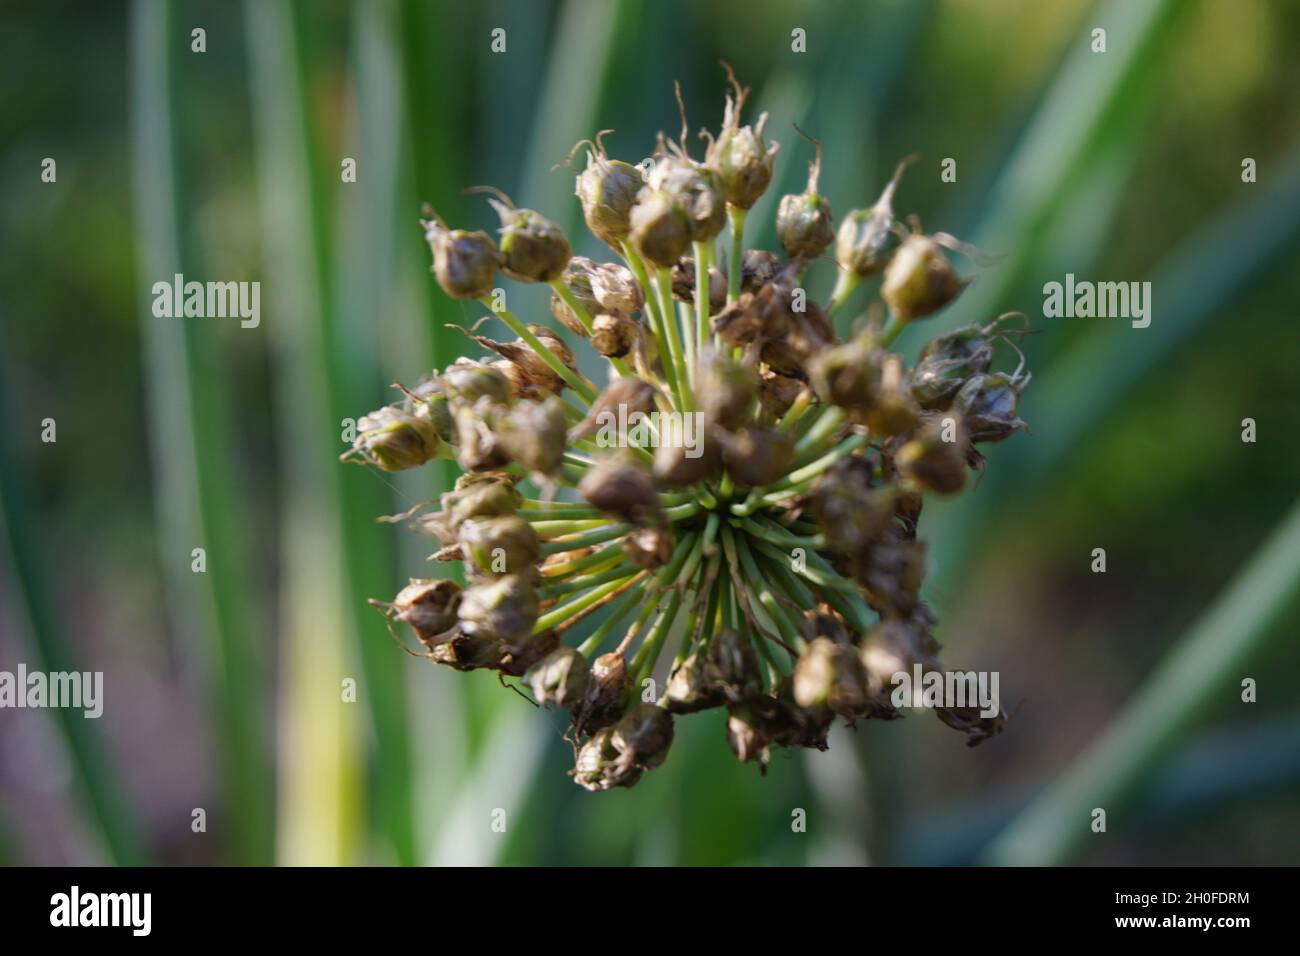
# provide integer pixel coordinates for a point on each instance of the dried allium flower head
(735, 515)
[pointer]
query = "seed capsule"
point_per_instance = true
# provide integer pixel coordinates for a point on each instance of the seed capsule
(505, 544)
(577, 279)
(919, 279)
(831, 675)
(477, 446)
(739, 157)
(620, 488)
(862, 245)
(850, 510)
(692, 687)
(429, 607)
(606, 692)
(607, 190)
(560, 679)
(988, 406)
(947, 362)
(678, 464)
(394, 439)
(480, 496)
(504, 610)
(470, 380)
(895, 646)
(724, 389)
(894, 411)
(614, 336)
(649, 547)
(695, 190)
(533, 249)
(616, 289)
(643, 736)
(733, 665)
(932, 462)
(464, 263)
(758, 268)
(661, 230)
(622, 399)
(847, 375)
(804, 220)
(684, 285)
(756, 456)
(599, 765)
(534, 434)
(971, 722)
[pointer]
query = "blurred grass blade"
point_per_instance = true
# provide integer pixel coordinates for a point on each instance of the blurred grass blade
(1088, 88)
(195, 492)
(365, 264)
(1193, 284)
(20, 542)
(320, 772)
(1202, 674)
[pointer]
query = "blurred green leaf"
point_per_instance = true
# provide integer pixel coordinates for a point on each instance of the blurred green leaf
(1201, 676)
(195, 491)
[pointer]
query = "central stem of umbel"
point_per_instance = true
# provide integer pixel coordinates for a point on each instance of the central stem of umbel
(731, 521)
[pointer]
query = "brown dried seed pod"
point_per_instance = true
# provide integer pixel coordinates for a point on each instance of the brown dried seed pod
(429, 607)
(621, 488)
(560, 679)
(756, 456)
(465, 263)
(614, 336)
(622, 399)
(649, 547)
(534, 434)
(919, 279)
(616, 289)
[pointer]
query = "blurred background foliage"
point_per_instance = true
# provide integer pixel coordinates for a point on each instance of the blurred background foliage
(223, 689)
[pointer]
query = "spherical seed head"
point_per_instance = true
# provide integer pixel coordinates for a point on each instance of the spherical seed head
(505, 544)
(465, 263)
(661, 230)
(987, 404)
(947, 362)
(504, 609)
(804, 225)
(395, 439)
(560, 678)
(535, 433)
(830, 675)
(935, 459)
(919, 279)
(620, 488)
(643, 736)
(607, 190)
(429, 607)
(533, 248)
